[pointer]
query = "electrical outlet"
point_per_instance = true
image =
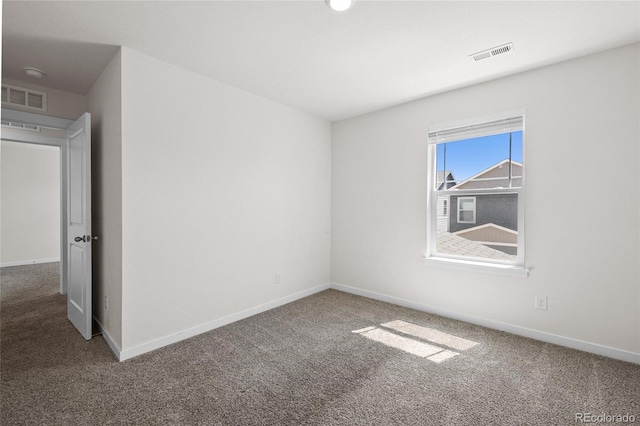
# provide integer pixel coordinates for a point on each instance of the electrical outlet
(278, 278)
(106, 303)
(541, 303)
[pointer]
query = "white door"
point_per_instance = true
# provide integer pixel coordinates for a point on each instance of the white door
(78, 247)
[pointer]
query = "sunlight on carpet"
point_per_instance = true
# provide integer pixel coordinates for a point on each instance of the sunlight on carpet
(411, 340)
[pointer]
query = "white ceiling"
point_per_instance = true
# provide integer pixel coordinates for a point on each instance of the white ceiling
(302, 54)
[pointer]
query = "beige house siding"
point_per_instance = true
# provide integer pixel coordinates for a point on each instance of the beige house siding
(499, 171)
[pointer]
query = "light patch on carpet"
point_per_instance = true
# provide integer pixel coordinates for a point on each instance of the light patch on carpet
(430, 334)
(442, 356)
(411, 346)
(408, 340)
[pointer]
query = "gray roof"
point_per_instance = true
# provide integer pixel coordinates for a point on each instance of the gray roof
(453, 244)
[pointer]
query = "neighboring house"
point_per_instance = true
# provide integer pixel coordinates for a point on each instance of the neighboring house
(444, 178)
(490, 219)
(495, 176)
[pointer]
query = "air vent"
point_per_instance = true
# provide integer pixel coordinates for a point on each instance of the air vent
(25, 98)
(22, 126)
(489, 53)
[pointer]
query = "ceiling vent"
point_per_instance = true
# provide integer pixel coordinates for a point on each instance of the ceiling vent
(489, 53)
(25, 98)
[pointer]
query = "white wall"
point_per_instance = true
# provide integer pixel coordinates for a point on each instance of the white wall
(104, 104)
(59, 103)
(30, 188)
(221, 189)
(582, 151)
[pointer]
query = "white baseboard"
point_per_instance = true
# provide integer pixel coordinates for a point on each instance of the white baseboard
(29, 262)
(496, 325)
(203, 328)
(107, 337)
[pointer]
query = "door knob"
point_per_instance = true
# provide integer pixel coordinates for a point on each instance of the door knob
(86, 238)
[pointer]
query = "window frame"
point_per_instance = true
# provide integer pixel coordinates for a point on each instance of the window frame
(459, 199)
(516, 267)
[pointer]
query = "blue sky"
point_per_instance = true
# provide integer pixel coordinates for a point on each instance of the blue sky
(468, 157)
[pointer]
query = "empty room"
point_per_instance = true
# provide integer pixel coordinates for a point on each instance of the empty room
(320, 212)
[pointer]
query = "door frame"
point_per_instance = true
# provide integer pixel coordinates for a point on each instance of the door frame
(12, 135)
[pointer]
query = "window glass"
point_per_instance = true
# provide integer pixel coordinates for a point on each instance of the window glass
(480, 181)
(482, 163)
(467, 210)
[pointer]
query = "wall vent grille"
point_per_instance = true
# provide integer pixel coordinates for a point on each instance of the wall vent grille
(489, 53)
(24, 98)
(22, 126)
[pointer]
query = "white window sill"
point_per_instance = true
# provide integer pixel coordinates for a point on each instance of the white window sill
(467, 265)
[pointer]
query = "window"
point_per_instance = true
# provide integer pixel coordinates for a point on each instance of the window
(467, 210)
(477, 171)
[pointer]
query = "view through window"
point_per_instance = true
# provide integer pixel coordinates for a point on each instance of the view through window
(477, 192)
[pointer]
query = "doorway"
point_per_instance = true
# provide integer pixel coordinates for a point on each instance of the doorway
(75, 201)
(31, 224)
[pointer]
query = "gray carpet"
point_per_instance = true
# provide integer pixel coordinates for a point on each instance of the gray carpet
(300, 364)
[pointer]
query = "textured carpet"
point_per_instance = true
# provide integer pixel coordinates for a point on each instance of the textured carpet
(300, 364)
